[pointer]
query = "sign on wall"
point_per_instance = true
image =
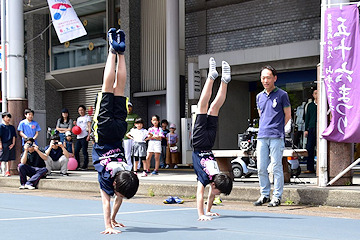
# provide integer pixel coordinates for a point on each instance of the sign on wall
(66, 23)
(194, 81)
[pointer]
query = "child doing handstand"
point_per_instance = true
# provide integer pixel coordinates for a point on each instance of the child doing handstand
(109, 127)
(203, 138)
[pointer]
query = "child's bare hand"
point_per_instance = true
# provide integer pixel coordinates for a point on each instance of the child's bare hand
(204, 218)
(110, 231)
(116, 224)
(212, 214)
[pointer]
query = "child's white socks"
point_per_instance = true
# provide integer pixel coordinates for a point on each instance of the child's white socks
(226, 72)
(213, 74)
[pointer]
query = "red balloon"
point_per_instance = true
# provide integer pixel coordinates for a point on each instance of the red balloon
(76, 130)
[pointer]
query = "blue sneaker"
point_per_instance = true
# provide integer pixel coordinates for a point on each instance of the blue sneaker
(169, 200)
(114, 45)
(112, 38)
(154, 172)
(178, 200)
(120, 39)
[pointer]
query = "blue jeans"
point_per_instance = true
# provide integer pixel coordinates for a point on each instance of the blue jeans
(62, 137)
(273, 147)
(163, 155)
(82, 144)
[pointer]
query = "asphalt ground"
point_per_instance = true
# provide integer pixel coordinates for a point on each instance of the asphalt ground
(50, 214)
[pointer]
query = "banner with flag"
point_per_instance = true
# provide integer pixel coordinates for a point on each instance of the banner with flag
(342, 73)
(66, 23)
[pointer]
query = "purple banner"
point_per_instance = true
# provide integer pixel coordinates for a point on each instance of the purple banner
(342, 73)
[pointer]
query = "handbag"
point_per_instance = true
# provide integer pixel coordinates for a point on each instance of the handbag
(173, 149)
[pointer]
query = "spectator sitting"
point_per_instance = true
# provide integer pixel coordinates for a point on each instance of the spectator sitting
(31, 164)
(68, 143)
(58, 156)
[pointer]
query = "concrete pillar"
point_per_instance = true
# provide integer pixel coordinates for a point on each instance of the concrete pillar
(131, 23)
(172, 63)
(3, 63)
(36, 53)
(339, 158)
(15, 48)
(16, 69)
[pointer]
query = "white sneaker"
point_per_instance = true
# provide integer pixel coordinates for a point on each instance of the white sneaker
(176, 166)
(274, 202)
(22, 187)
(29, 187)
(167, 166)
(144, 174)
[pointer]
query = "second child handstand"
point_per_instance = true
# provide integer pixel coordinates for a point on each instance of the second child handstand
(203, 138)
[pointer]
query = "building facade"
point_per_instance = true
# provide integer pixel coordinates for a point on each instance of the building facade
(250, 34)
(246, 33)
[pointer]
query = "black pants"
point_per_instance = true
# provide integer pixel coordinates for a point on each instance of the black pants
(310, 147)
(82, 144)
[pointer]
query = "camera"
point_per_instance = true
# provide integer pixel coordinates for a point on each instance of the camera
(56, 143)
(29, 144)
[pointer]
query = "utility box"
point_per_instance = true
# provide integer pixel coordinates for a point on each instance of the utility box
(186, 153)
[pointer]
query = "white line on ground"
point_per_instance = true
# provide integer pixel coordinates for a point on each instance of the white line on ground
(93, 214)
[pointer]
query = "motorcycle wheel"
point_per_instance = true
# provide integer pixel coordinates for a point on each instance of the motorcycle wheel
(296, 172)
(237, 170)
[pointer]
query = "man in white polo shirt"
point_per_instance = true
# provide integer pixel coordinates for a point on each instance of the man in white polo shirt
(84, 122)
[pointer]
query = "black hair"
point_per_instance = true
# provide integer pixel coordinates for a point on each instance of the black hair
(139, 120)
(164, 121)
(55, 137)
(29, 139)
(28, 110)
(158, 118)
(269, 68)
(4, 114)
(223, 182)
(62, 118)
(81, 106)
(126, 183)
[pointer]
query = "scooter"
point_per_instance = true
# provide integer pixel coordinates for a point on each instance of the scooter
(247, 165)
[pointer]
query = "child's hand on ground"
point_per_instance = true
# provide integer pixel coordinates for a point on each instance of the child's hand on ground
(204, 218)
(212, 214)
(110, 231)
(116, 224)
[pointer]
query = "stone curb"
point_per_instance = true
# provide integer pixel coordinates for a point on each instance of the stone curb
(296, 195)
